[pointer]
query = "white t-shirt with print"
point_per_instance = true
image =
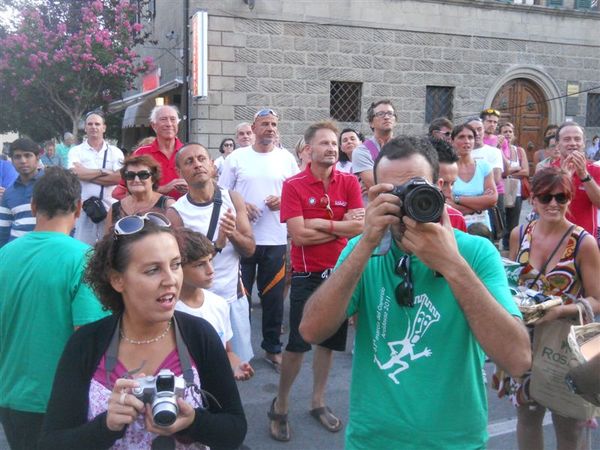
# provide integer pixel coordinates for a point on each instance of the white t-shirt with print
(215, 311)
(256, 176)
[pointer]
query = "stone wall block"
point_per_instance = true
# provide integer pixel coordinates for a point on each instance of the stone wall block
(270, 85)
(294, 86)
(210, 126)
(373, 75)
(383, 62)
(294, 29)
(350, 34)
(246, 55)
(306, 73)
(394, 50)
(349, 47)
(293, 114)
(306, 101)
(244, 85)
(202, 111)
(217, 53)
(225, 112)
(327, 45)
(411, 51)
(286, 72)
(362, 62)
(282, 100)
(257, 41)
(403, 64)
(258, 99)
(393, 76)
(270, 27)
(295, 58)
(317, 114)
(317, 87)
(432, 52)
(214, 38)
(246, 26)
(216, 83)
(213, 68)
(340, 60)
(258, 70)
(443, 66)
(234, 98)
(230, 39)
(423, 65)
(380, 35)
(244, 113)
(381, 90)
(372, 48)
(220, 23)
(461, 42)
(270, 56)
(214, 98)
(339, 74)
(317, 59)
(305, 45)
(235, 69)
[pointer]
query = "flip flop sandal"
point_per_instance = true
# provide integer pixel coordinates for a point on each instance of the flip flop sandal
(326, 418)
(274, 364)
(282, 430)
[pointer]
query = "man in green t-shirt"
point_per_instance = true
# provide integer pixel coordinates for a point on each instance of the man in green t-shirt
(42, 300)
(430, 304)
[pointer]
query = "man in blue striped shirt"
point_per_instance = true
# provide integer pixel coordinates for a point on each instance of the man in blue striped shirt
(15, 209)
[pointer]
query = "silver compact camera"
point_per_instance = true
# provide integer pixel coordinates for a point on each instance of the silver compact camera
(161, 392)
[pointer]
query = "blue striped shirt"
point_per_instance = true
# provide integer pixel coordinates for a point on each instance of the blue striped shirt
(15, 210)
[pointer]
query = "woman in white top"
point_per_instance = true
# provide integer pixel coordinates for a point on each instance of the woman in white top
(226, 148)
(348, 141)
(517, 167)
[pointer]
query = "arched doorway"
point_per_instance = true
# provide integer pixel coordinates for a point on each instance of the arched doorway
(522, 102)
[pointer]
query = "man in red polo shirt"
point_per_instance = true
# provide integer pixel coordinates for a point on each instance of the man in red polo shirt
(583, 209)
(164, 120)
(322, 208)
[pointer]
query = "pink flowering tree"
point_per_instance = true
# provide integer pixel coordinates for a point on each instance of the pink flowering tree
(58, 64)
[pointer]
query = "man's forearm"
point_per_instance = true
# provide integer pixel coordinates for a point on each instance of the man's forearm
(244, 245)
(502, 337)
(593, 192)
(325, 310)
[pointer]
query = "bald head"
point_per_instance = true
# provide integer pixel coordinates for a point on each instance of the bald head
(187, 148)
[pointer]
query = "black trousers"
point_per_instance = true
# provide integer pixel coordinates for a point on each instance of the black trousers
(22, 429)
(267, 267)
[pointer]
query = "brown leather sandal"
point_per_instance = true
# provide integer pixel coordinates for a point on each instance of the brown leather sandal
(326, 418)
(279, 427)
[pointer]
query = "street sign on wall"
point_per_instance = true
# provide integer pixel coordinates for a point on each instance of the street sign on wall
(199, 82)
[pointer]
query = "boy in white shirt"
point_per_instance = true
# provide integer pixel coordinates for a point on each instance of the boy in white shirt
(197, 253)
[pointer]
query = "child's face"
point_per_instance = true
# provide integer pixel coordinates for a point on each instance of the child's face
(199, 273)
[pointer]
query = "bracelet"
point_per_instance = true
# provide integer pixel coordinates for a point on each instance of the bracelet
(586, 178)
(331, 227)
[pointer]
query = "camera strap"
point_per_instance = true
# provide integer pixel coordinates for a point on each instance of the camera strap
(104, 167)
(110, 358)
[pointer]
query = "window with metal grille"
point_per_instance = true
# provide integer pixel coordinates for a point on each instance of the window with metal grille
(593, 110)
(345, 100)
(439, 102)
(583, 4)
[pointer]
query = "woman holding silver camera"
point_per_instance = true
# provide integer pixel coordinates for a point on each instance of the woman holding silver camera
(560, 259)
(98, 396)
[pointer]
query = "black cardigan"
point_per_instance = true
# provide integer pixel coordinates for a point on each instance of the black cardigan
(66, 425)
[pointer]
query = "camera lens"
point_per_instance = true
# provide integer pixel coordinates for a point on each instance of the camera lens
(164, 411)
(424, 203)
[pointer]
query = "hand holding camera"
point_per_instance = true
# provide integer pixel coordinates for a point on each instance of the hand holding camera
(123, 408)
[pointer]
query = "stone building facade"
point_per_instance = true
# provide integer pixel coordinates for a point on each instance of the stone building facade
(286, 54)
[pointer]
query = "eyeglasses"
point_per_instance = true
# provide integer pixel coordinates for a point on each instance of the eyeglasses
(326, 202)
(265, 112)
(561, 198)
(142, 175)
(490, 112)
(404, 291)
(134, 224)
(385, 114)
(228, 144)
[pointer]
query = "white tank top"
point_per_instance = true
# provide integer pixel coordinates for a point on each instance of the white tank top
(196, 216)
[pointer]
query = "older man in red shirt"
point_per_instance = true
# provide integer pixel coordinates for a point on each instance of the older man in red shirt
(583, 210)
(164, 120)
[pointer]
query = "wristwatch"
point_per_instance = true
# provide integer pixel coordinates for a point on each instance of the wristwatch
(217, 248)
(457, 199)
(586, 178)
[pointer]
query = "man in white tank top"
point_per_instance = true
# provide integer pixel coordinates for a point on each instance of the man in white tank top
(232, 235)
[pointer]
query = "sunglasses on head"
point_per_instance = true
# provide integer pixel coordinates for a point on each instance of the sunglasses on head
(134, 224)
(404, 290)
(561, 198)
(265, 112)
(326, 202)
(491, 112)
(142, 175)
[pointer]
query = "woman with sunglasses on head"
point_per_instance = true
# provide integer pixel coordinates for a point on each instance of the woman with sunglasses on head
(141, 175)
(348, 141)
(136, 273)
(226, 147)
(561, 259)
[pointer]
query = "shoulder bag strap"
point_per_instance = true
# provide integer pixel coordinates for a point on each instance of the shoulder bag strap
(104, 166)
(217, 202)
(372, 148)
(184, 356)
(543, 269)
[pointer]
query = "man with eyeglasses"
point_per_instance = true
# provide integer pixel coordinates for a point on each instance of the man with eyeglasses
(430, 304)
(257, 172)
(382, 119)
(583, 210)
(322, 208)
(441, 128)
(96, 163)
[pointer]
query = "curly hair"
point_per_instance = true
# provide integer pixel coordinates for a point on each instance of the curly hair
(113, 254)
(143, 160)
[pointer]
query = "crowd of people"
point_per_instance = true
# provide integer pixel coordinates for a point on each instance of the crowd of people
(143, 329)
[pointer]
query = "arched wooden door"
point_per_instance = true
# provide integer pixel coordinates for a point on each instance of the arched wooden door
(523, 103)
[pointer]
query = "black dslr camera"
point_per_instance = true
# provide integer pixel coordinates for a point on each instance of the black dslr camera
(421, 200)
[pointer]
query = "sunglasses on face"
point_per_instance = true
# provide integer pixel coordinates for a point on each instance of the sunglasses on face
(561, 198)
(404, 291)
(326, 202)
(265, 112)
(134, 224)
(142, 175)
(229, 144)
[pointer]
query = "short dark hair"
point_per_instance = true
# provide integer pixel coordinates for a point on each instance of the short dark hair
(403, 147)
(549, 127)
(56, 192)
(481, 230)
(439, 123)
(446, 153)
(194, 245)
(371, 109)
(458, 128)
(113, 253)
(189, 144)
(342, 156)
(222, 144)
(143, 160)
(312, 129)
(24, 145)
(547, 140)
